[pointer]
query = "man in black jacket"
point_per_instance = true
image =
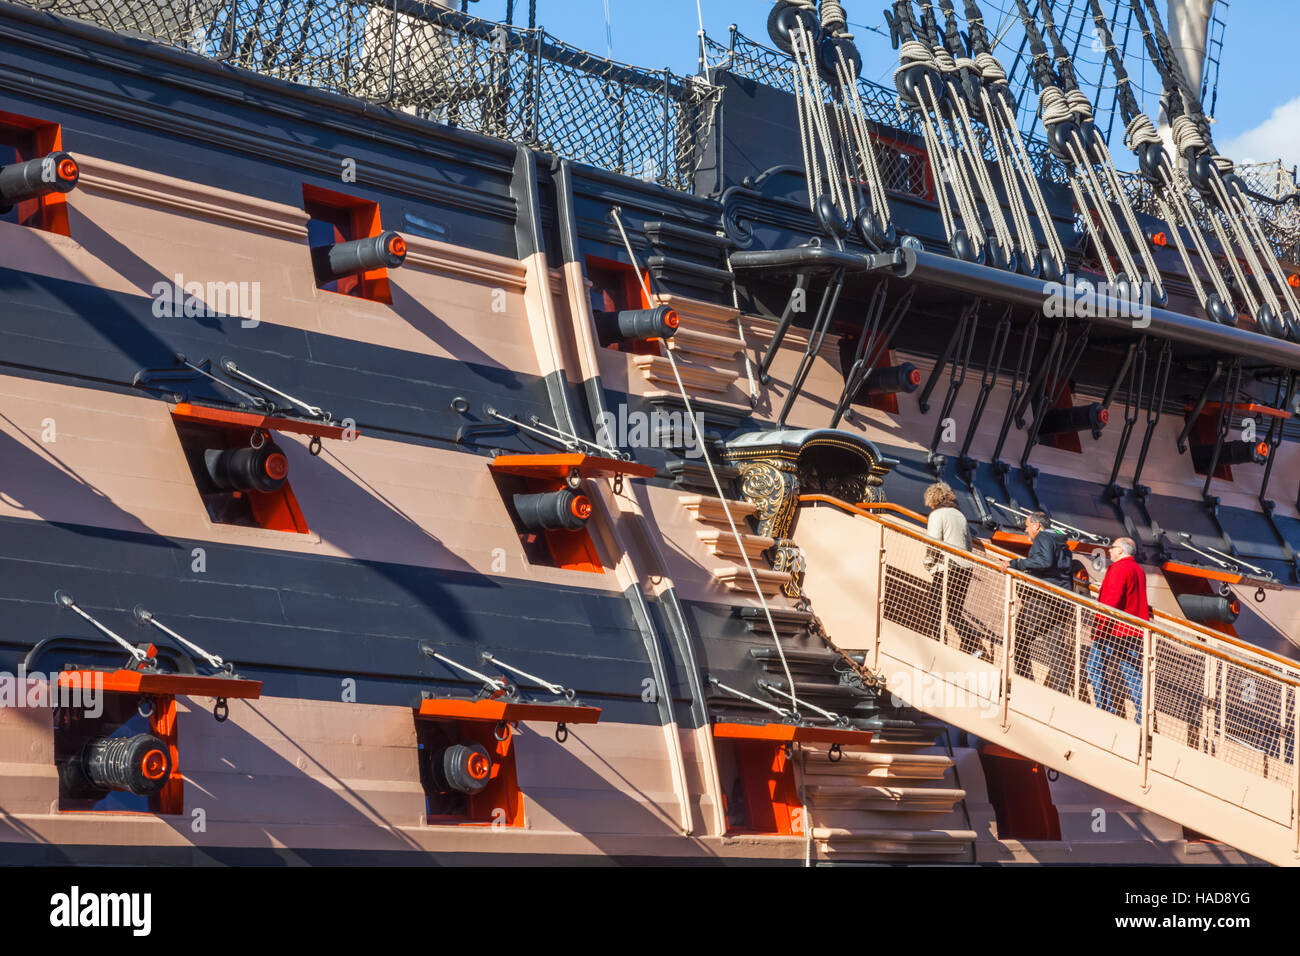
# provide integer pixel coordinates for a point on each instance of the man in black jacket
(1040, 613)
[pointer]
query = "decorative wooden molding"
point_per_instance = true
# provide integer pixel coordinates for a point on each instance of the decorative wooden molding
(193, 199)
(119, 181)
(711, 510)
(706, 344)
(723, 543)
(464, 263)
(737, 579)
(659, 370)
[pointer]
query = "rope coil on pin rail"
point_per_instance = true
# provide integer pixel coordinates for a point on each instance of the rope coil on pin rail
(713, 475)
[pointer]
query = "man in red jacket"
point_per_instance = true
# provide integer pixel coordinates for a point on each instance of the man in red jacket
(1114, 643)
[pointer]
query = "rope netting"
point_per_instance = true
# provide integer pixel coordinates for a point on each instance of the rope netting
(520, 85)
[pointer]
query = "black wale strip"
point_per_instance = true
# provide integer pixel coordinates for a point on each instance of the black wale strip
(303, 622)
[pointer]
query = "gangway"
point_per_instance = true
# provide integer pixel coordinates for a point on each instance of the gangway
(1209, 743)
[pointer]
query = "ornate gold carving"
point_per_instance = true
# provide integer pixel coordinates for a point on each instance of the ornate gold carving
(787, 557)
(773, 486)
(773, 474)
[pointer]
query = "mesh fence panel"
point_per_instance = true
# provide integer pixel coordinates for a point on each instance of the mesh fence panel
(518, 85)
(1213, 696)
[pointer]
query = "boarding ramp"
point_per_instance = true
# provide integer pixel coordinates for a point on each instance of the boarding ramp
(1209, 742)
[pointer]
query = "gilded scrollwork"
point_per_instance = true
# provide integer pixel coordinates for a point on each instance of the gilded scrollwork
(773, 486)
(775, 468)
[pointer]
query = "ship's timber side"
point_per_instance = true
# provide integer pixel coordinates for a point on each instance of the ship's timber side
(197, 170)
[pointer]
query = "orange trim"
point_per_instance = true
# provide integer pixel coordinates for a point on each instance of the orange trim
(1247, 408)
(791, 733)
(163, 723)
(192, 685)
(443, 708)
(1215, 574)
(872, 506)
(278, 510)
(1019, 537)
(559, 466)
(226, 416)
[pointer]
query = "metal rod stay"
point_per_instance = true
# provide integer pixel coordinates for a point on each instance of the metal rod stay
(753, 700)
(143, 616)
(563, 691)
(65, 600)
(230, 368)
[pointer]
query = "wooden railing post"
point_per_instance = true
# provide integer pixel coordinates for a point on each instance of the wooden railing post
(1008, 647)
(943, 599)
(880, 594)
(1295, 764)
(1148, 704)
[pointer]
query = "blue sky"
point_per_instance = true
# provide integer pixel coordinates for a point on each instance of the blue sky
(1258, 113)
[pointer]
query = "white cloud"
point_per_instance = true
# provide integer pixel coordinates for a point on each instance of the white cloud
(1278, 137)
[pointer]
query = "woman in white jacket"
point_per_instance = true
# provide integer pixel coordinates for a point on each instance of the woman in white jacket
(949, 525)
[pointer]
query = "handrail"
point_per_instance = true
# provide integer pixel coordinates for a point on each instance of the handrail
(1194, 728)
(1199, 629)
(1195, 641)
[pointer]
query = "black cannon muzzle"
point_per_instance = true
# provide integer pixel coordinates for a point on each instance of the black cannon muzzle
(141, 764)
(1209, 608)
(384, 251)
(565, 510)
(1076, 419)
(1232, 453)
(890, 380)
(247, 469)
(636, 324)
(57, 172)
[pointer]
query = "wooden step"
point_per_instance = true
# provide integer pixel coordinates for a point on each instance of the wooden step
(711, 510)
(703, 316)
(659, 371)
(723, 543)
(737, 579)
(905, 799)
(895, 841)
(692, 342)
(878, 766)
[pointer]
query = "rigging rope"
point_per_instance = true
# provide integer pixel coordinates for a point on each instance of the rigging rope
(713, 475)
(1067, 116)
(914, 79)
(1212, 174)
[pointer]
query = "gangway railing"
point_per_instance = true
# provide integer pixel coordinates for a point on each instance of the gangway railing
(1182, 721)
